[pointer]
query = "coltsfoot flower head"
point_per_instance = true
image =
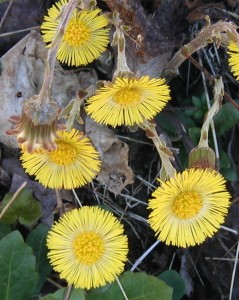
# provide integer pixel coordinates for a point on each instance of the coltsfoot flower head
(189, 207)
(37, 125)
(233, 52)
(85, 37)
(73, 163)
(128, 101)
(87, 247)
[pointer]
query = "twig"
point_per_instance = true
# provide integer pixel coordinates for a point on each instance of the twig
(234, 271)
(142, 257)
(13, 199)
(229, 229)
(121, 288)
(68, 292)
(18, 31)
(77, 199)
(6, 12)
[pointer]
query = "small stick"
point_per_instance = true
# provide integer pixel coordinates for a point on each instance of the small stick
(13, 198)
(121, 288)
(68, 292)
(77, 199)
(142, 257)
(234, 271)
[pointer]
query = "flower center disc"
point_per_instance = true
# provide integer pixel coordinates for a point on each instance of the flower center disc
(76, 33)
(187, 205)
(88, 247)
(63, 155)
(127, 96)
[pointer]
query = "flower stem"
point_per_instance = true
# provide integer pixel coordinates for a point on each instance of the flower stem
(59, 202)
(167, 169)
(67, 11)
(209, 34)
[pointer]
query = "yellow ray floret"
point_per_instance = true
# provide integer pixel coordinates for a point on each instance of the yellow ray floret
(87, 247)
(74, 163)
(85, 37)
(189, 207)
(128, 101)
(233, 60)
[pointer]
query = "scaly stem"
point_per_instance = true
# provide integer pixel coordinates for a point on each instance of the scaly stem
(167, 169)
(45, 91)
(209, 34)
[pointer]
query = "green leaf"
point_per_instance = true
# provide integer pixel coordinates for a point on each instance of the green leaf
(173, 279)
(224, 160)
(37, 240)
(136, 286)
(1, 1)
(17, 268)
(198, 114)
(25, 208)
(185, 119)
(165, 123)
(194, 134)
(4, 230)
(197, 102)
(226, 118)
(230, 174)
(76, 294)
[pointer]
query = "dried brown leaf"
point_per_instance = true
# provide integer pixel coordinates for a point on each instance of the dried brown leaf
(115, 173)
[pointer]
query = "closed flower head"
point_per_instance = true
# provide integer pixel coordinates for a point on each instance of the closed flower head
(128, 101)
(85, 37)
(87, 247)
(73, 163)
(189, 207)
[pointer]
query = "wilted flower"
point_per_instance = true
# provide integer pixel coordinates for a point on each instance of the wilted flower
(37, 125)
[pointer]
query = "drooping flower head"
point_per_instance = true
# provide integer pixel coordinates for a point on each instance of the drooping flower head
(233, 51)
(74, 163)
(85, 37)
(87, 247)
(189, 207)
(37, 126)
(128, 101)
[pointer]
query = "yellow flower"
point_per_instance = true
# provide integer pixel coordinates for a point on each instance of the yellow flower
(87, 247)
(189, 207)
(128, 101)
(84, 39)
(74, 163)
(234, 58)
